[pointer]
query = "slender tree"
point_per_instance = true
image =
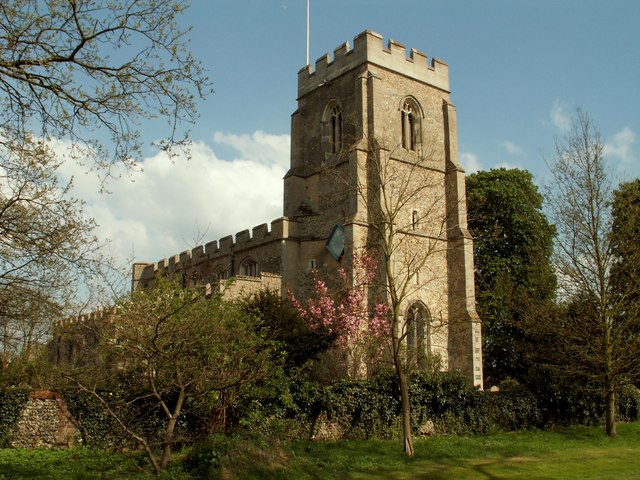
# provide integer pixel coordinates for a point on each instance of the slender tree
(596, 340)
(402, 221)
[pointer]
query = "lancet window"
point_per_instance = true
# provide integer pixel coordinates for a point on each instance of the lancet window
(332, 128)
(410, 124)
(418, 333)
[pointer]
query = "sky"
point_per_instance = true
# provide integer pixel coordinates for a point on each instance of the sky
(518, 69)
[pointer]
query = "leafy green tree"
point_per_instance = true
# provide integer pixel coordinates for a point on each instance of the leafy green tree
(514, 277)
(177, 347)
(625, 272)
(281, 323)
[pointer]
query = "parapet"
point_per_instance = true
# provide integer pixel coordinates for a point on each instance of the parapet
(90, 318)
(258, 235)
(368, 48)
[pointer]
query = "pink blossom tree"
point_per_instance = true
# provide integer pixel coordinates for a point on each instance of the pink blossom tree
(360, 332)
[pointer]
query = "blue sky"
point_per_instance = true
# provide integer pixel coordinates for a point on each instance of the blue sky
(518, 69)
(512, 63)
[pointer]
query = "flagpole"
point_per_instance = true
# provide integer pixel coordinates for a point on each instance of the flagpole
(307, 32)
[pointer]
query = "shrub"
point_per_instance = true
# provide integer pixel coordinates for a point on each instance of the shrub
(514, 407)
(628, 403)
(204, 459)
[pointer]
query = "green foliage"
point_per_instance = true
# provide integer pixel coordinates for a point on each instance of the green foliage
(574, 401)
(365, 409)
(11, 403)
(33, 372)
(371, 408)
(204, 459)
(625, 272)
(98, 428)
(513, 408)
(169, 352)
(447, 400)
(514, 277)
(282, 324)
(628, 403)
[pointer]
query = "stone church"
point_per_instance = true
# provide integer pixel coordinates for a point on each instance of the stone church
(374, 167)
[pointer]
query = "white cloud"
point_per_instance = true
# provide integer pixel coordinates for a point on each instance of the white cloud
(161, 210)
(259, 147)
(512, 148)
(559, 116)
(470, 162)
(619, 146)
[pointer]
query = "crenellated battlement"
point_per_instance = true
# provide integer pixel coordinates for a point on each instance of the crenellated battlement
(368, 48)
(258, 235)
(90, 318)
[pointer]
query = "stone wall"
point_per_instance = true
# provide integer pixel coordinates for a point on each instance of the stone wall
(44, 422)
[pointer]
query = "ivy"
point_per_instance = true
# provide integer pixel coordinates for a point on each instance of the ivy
(99, 428)
(12, 401)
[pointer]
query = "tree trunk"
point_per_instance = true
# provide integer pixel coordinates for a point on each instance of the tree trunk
(167, 441)
(610, 408)
(406, 407)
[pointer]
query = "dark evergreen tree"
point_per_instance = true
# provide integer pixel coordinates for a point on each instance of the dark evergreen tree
(515, 282)
(625, 272)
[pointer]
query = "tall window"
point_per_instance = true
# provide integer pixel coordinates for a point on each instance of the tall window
(332, 128)
(418, 331)
(336, 129)
(409, 116)
(415, 220)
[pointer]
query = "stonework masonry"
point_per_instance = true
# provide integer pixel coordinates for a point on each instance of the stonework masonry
(368, 105)
(44, 422)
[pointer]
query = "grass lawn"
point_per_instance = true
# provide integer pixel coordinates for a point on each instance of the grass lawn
(573, 453)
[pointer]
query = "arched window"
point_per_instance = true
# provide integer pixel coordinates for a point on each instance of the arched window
(249, 268)
(410, 123)
(332, 128)
(418, 333)
(220, 274)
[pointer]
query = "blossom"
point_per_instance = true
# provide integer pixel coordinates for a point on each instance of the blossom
(347, 315)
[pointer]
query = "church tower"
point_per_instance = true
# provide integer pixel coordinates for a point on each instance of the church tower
(374, 164)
